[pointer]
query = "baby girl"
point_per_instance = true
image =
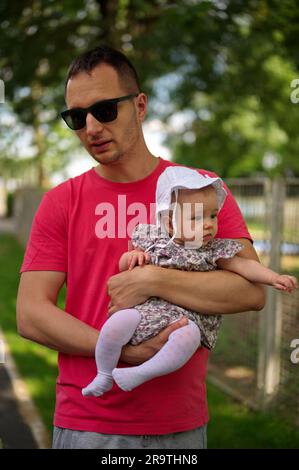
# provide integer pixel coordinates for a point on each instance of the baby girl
(187, 206)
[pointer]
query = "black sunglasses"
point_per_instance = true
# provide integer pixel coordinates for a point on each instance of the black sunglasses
(102, 111)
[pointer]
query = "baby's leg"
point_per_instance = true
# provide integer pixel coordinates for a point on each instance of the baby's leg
(115, 333)
(181, 345)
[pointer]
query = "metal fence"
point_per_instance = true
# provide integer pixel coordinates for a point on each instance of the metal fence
(253, 357)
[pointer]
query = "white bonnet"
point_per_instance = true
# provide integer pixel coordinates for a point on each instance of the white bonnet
(179, 177)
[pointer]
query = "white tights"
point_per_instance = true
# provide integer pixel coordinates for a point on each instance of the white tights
(116, 332)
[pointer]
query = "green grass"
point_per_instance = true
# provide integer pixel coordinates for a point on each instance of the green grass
(35, 363)
(256, 229)
(232, 425)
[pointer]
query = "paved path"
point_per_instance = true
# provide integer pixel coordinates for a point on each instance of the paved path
(14, 432)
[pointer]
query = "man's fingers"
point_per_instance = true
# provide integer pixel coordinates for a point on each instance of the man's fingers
(174, 326)
(111, 310)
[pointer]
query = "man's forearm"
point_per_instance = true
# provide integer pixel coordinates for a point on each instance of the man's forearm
(52, 327)
(208, 292)
(64, 333)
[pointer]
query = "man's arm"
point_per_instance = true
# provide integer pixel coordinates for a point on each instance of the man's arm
(41, 321)
(215, 291)
(209, 292)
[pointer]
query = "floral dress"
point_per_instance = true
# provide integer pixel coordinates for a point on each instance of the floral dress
(157, 313)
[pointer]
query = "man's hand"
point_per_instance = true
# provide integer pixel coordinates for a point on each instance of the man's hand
(129, 288)
(136, 355)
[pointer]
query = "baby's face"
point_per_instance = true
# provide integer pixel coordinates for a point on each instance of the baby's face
(197, 220)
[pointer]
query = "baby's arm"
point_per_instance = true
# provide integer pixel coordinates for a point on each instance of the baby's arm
(256, 272)
(132, 258)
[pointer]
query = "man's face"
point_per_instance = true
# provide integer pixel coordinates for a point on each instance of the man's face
(110, 142)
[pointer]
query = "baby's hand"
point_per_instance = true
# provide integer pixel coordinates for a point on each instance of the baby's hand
(285, 282)
(137, 257)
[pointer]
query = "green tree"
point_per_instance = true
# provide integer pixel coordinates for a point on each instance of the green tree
(230, 61)
(234, 67)
(37, 40)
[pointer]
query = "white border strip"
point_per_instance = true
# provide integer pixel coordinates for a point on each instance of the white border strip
(26, 406)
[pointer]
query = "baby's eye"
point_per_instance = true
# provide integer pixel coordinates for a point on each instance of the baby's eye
(214, 216)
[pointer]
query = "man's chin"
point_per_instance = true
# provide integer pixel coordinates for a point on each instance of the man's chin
(105, 158)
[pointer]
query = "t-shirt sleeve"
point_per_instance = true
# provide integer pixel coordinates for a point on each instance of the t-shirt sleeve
(47, 246)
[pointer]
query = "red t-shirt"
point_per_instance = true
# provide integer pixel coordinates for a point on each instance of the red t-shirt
(80, 229)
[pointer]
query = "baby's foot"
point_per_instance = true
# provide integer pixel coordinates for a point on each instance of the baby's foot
(128, 378)
(100, 384)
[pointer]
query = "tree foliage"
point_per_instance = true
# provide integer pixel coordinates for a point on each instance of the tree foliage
(230, 61)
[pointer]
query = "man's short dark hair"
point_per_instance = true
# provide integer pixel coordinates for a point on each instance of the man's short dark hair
(106, 55)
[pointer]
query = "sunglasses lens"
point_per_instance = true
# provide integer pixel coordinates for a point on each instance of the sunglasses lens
(75, 119)
(105, 112)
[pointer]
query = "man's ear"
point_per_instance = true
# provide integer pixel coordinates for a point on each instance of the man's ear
(141, 106)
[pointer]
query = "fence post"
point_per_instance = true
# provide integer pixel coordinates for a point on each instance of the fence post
(270, 318)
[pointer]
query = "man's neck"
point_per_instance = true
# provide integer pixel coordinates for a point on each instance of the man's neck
(128, 171)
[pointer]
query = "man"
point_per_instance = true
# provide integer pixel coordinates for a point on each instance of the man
(80, 231)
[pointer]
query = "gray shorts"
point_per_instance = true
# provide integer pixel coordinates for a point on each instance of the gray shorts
(70, 439)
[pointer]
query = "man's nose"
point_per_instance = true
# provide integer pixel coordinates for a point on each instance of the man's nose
(93, 126)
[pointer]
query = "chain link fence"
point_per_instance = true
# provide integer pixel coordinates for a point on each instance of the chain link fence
(253, 359)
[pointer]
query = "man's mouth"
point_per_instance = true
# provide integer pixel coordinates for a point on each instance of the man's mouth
(100, 146)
